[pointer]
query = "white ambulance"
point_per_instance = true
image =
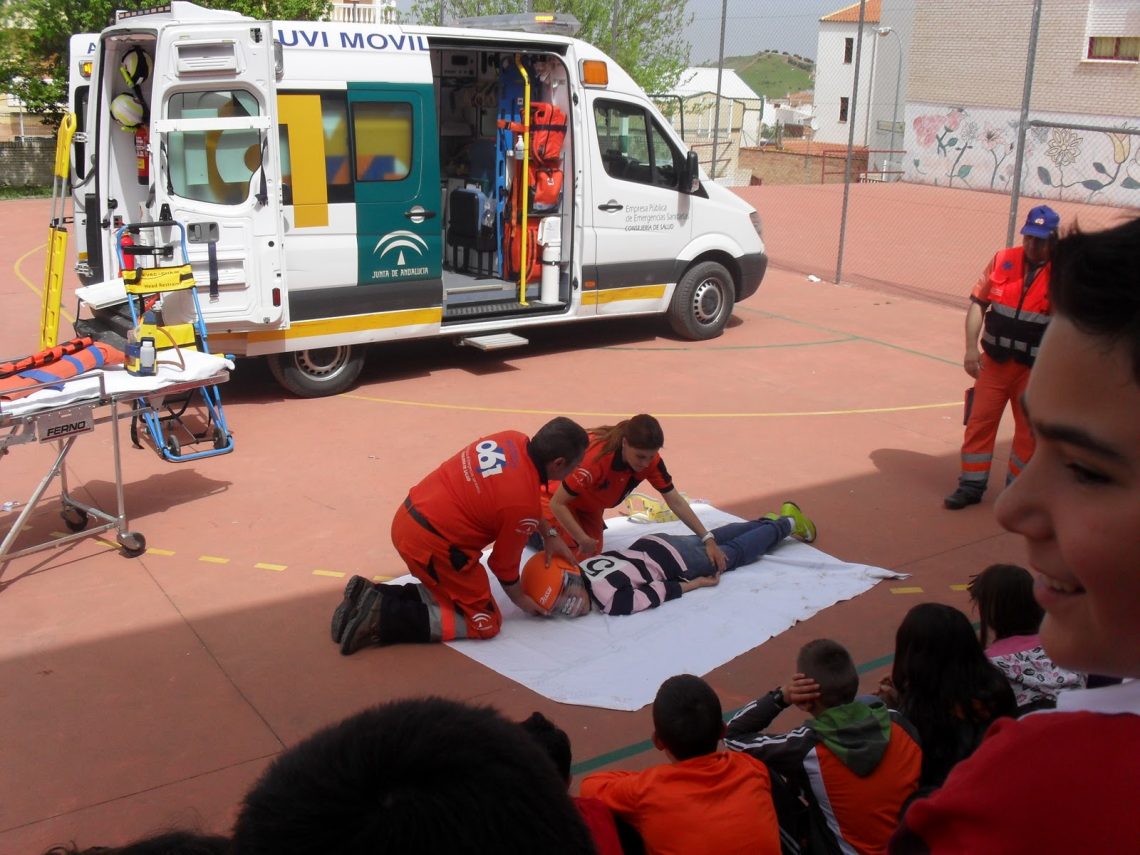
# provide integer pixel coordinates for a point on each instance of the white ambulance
(344, 184)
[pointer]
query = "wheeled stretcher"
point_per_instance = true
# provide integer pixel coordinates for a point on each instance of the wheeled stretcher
(63, 413)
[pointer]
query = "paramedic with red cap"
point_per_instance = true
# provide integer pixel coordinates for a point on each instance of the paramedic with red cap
(1009, 310)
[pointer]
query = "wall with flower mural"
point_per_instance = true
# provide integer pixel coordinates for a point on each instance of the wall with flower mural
(975, 148)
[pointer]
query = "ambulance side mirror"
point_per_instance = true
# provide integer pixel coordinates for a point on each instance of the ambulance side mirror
(691, 180)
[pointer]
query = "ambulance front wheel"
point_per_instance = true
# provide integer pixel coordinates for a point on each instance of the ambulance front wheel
(702, 303)
(320, 372)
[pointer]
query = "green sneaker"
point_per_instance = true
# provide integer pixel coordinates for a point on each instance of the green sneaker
(802, 528)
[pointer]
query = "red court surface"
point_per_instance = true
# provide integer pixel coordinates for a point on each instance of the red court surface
(149, 693)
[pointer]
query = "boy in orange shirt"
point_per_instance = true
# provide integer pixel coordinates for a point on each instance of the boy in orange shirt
(703, 800)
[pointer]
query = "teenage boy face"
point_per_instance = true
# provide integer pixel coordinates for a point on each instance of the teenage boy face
(1077, 503)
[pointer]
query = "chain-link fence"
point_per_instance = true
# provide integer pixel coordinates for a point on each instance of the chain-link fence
(917, 120)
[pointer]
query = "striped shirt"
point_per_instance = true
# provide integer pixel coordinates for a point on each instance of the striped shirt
(642, 576)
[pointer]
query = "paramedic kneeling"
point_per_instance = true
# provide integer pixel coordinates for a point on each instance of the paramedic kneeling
(487, 493)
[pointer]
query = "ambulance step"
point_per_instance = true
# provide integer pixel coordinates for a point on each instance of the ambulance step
(495, 341)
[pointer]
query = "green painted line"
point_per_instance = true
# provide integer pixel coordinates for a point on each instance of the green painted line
(628, 751)
(857, 337)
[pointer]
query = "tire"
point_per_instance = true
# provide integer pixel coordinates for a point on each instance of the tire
(703, 301)
(75, 519)
(320, 372)
(133, 544)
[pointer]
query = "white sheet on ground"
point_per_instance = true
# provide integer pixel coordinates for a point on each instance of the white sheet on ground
(619, 662)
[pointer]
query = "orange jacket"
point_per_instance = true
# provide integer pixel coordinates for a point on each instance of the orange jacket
(1016, 316)
(715, 804)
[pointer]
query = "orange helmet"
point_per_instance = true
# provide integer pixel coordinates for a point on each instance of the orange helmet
(557, 588)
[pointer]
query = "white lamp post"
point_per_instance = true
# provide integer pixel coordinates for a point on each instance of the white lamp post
(883, 31)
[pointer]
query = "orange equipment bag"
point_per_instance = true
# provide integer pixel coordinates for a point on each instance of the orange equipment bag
(545, 189)
(547, 132)
(512, 251)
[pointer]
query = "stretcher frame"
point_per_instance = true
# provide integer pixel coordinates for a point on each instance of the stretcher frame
(22, 428)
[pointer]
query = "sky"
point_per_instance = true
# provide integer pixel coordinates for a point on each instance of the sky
(753, 25)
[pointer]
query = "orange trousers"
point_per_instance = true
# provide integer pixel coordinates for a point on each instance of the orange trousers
(998, 383)
(465, 606)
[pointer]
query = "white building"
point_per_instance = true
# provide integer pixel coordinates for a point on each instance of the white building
(838, 45)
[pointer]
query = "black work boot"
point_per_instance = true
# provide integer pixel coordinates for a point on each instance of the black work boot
(962, 497)
(363, 628)
(353, 591)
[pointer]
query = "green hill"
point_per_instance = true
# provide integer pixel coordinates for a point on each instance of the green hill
(772, 74)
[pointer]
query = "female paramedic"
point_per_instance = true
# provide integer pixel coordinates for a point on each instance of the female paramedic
(618, 458)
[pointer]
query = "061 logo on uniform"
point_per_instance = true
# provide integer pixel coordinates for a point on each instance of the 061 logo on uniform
(491, 458)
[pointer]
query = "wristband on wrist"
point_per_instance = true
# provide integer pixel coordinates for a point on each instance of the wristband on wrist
(778, 696)
(707, 536)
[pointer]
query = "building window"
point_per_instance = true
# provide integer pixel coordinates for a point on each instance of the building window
(843, 109)
(1123, 48)
(848, 50)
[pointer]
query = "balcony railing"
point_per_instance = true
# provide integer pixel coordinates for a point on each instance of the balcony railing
(364, 13)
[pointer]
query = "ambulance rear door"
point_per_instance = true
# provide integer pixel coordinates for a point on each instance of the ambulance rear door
(217, 155)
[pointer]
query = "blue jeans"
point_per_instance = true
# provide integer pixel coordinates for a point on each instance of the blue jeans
(742, 543)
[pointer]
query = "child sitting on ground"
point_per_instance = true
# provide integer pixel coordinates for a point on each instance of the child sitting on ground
(1010, 618)
(703, 800)
(854, 763)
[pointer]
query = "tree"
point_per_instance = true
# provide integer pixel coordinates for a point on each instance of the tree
(650, 35)
(34, 43)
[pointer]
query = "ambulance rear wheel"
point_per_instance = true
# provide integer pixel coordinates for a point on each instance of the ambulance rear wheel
(320, 372)
(702, 303)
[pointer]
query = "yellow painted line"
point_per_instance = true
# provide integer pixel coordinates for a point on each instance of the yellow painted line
(150, 550)
(959, 587)
(275, 567)
(520, 411)
(906, 590)
(213, 559)
(109, 544)
(333, 574)
(383, 578)
(36, 289)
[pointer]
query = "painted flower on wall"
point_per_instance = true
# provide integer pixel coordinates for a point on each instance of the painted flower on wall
(992, 137)
(1064, 147)
(1121, 143)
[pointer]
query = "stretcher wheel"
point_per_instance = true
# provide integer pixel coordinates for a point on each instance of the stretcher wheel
(220, 438)
(74, 518)
(173, 446)
(133, 543)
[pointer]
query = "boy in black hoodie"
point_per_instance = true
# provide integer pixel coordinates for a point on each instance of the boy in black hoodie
(854, 763)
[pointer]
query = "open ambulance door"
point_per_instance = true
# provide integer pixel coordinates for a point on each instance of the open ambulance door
(216, 160)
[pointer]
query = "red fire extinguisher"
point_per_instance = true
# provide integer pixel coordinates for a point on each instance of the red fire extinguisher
(142, 137)
(124, 242)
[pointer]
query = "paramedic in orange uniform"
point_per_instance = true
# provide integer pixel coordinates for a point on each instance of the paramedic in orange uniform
(619, 458)
(1009, 309)
(487, 493)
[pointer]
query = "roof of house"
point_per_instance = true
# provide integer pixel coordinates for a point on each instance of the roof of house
(850, 14)
(701, 81)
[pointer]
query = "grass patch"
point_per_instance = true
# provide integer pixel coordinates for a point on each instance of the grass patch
(25, 192)
(770, 74)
